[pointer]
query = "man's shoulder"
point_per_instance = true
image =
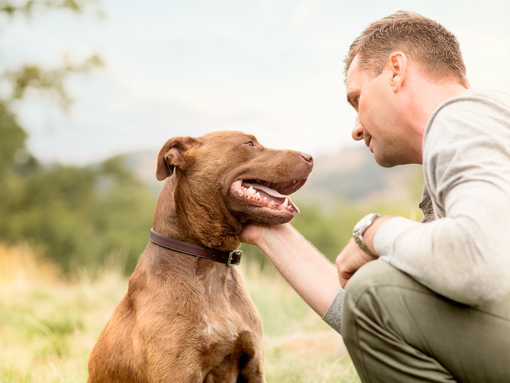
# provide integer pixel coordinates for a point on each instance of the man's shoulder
(474, 100)
(467, 139)
(469, 113)
(482, 95)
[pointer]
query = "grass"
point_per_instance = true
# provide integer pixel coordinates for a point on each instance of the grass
(48, 325)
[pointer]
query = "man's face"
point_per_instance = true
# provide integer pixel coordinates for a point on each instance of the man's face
(378, 122)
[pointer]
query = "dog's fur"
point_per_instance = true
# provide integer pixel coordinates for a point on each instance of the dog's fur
(188, 319)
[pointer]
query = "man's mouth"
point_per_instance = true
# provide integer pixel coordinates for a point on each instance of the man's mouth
(266, 194)
(368, 142)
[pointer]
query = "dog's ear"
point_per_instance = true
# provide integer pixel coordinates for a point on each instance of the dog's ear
(171, 155)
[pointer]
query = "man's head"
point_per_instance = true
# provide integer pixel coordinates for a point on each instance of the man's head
(396, 70)
(428, 43)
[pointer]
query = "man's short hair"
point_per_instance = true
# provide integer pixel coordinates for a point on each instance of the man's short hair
(435, 49)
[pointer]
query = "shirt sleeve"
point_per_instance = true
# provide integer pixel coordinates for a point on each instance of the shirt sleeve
(333, 316)
(463, 256)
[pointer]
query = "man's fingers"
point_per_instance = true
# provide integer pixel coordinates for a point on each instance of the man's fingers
(343, 267)
(344, 278)
(250, 234)
(344, 270)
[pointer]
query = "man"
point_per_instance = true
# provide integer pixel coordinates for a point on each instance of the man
(430, 301)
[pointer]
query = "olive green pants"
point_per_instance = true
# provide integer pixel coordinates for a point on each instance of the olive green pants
(397, 330)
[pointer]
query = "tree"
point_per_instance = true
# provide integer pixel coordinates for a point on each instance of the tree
(77, 215)
(13, 154)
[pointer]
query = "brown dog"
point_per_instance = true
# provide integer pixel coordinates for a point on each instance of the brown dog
(189, 319)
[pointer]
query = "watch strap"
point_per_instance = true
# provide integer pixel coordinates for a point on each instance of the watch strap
(363, 246)
(357, 233)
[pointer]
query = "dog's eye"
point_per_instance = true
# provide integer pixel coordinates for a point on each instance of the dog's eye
(249, 143)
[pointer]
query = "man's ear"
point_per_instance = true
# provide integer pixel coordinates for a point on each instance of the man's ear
(398, 66)
(171, 155)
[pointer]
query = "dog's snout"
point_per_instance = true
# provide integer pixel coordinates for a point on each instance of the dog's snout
(308, 158)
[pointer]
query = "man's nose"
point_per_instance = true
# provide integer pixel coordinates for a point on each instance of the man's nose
(357, 131)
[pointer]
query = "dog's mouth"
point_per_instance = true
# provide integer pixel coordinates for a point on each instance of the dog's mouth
(266, 194)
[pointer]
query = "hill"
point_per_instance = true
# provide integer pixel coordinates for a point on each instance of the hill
(350, 173)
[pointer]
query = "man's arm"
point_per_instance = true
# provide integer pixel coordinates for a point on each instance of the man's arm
(352, 257)
(313, 277)
(464, 255)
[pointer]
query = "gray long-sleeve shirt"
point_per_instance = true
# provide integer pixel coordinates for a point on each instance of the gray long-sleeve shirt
(464, 253)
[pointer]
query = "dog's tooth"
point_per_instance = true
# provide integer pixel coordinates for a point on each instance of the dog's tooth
(286, 203)
(294, 182)
(265, 198)
(252, 190)
(257, 194)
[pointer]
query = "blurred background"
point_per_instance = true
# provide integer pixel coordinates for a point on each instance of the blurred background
(89, 92)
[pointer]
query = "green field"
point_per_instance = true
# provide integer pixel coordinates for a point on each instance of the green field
(48, 325)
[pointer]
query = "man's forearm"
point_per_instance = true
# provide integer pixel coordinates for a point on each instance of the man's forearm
(302, 265)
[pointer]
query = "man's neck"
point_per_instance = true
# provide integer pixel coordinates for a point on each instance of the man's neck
(442, 93)
(428, 95)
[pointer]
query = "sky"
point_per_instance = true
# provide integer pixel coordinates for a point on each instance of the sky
(184, 68)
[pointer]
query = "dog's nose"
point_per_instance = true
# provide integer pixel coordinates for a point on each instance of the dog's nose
(308, 158)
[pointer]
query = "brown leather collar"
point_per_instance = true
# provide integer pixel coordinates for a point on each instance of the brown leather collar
(231, 258)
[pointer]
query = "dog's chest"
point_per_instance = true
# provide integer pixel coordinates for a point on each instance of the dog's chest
(222, 318)
(219, 328)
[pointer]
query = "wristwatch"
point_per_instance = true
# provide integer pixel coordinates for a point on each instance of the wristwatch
(360, 228)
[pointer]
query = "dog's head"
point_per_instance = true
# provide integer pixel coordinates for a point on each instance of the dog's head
(231, 173)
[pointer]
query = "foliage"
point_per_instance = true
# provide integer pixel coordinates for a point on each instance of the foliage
(49, 80)
(80, 216)
(31, 76)
(29, 7)
(12, 142)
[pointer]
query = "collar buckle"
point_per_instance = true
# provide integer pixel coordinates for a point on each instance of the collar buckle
(232, 253)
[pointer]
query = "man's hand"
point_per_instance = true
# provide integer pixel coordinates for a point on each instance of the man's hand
(350, 260)
(307, 270)
(352, 257)
(251, 234)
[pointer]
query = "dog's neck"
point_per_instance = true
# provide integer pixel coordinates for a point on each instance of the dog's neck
(188, 213)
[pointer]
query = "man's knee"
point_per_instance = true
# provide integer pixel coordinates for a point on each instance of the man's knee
(371, 275)
(362, 299)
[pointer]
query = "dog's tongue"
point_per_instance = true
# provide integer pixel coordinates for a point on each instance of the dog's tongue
(273, 193)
